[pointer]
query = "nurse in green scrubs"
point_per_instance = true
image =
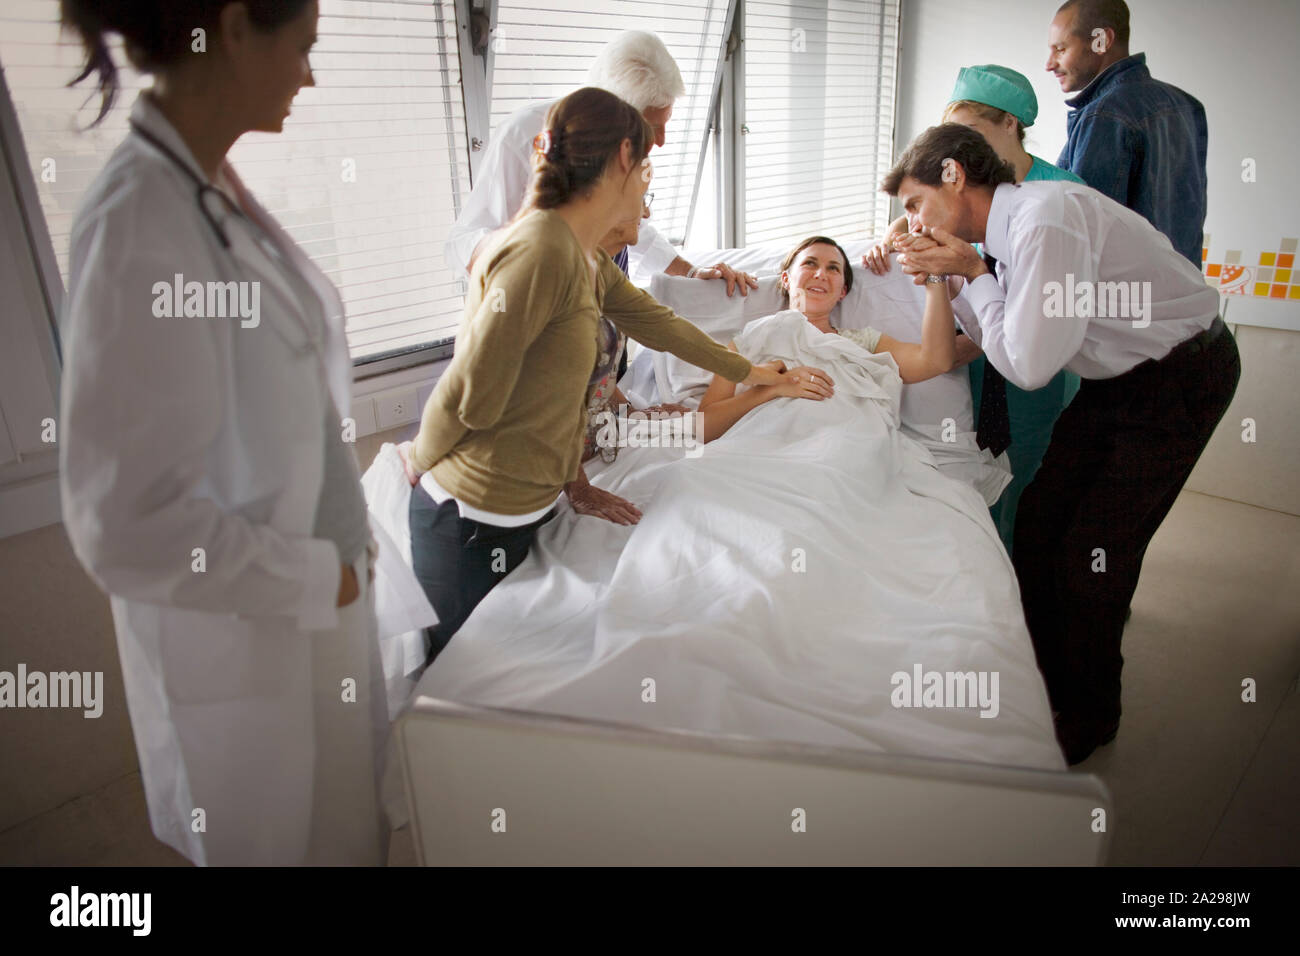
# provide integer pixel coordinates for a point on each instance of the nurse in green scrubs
(1000, 104)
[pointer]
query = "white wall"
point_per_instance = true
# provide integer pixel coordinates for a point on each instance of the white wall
(939, 37)
(1239, 60)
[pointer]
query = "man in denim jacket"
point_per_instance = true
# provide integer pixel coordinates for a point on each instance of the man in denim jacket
(1139, 141)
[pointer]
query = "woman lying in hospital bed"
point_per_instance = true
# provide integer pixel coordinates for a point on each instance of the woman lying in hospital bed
(815, 278)
(809, 576)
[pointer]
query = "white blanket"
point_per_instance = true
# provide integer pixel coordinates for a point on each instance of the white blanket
(774, 588)
(936, 412)
(402, 610)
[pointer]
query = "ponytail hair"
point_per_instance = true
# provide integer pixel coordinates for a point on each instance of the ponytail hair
(583, 134)
(155, 33)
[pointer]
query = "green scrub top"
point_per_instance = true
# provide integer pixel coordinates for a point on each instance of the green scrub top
(1042, 170)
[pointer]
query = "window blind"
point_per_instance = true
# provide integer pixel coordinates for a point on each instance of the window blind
(542, 50)
(366, 175)
(818, 108)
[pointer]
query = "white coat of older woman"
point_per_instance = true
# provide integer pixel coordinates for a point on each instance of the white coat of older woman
(194, 452)
(636, 67)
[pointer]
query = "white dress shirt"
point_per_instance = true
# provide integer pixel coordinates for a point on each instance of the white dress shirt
(504, 176)
(1063, 251)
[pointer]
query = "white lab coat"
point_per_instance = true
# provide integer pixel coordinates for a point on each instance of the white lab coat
(187, 433)
(501, 186)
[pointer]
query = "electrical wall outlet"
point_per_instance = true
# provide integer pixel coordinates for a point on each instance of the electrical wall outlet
(397, 407)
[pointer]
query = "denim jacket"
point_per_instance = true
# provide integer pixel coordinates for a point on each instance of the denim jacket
(1143, 143)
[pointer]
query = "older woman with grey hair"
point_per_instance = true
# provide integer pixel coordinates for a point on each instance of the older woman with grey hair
(636, 67)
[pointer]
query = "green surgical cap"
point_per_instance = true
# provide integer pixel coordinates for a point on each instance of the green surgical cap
(998, 87)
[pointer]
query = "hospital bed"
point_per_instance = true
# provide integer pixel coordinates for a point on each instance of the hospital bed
(488, 786)
(505, 759)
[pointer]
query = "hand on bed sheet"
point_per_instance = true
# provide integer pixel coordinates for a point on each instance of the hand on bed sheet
(587, 499)
(735, 280)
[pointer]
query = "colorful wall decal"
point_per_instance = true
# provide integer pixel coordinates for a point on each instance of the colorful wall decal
(1276, 276)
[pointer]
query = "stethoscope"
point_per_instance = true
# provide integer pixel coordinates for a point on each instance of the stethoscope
(313, 337)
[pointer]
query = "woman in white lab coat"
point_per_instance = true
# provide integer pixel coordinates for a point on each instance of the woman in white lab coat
(206, 485)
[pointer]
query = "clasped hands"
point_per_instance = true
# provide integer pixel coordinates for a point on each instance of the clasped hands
(927, 252)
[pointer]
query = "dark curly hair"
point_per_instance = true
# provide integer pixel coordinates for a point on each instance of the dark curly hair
(923, 160)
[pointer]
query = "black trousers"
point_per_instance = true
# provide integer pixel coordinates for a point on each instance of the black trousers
(1120, 453)
(459, 560)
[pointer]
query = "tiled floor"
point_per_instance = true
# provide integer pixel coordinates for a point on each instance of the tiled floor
(1198, 775)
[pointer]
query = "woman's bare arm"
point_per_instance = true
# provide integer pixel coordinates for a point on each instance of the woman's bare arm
(801, 382)
(724, 413)
(719, 389)
(936, 353)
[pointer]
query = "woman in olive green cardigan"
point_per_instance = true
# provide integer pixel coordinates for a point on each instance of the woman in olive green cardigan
(502, 432)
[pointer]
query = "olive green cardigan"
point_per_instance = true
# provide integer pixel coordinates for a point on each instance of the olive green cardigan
(503, 428)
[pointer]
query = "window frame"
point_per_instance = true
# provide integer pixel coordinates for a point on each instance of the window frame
(29, 488)
(41, 245)
(729, 113)
(476, 69)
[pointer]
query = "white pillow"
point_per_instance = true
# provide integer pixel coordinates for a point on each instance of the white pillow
(895, 305)
(705, 305)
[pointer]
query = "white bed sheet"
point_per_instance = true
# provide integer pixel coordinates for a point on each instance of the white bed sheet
(902, 567)
(401, 608)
